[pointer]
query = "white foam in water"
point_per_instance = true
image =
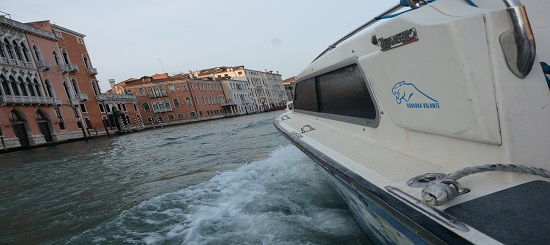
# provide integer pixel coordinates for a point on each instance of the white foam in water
(283, 199)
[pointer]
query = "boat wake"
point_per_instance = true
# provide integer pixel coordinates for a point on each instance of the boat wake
(283, 199)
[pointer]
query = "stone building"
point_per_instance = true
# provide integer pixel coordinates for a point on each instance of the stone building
(266, 87)
(238, 97)
(34, 108)
(175, 99)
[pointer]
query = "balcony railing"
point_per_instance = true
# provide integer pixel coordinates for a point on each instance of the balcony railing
(73, 67)
(81, 97)
(29, 100)
(162, 110)
(162, 94)
(92, 71)
(228, 103)
(74, 102)
(44, 65)
(63, 68)
(116, 97)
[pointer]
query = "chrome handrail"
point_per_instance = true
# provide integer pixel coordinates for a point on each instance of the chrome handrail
(436, 214)
(360, 28)
(518, 44)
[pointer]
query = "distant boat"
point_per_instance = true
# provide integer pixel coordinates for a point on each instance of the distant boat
(434, 124)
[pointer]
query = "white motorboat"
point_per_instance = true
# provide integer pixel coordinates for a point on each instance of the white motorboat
(434, 123)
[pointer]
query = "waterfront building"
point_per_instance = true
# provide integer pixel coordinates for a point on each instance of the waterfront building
(34, 108)
(266, 87)
(289, 84)
(238, 97)
(81, 84)
(164, 99)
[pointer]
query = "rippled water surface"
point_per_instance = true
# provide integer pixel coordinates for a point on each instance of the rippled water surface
(228, 181)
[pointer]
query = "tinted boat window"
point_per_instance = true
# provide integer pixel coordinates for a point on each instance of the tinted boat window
(305, 97)
(344, 92)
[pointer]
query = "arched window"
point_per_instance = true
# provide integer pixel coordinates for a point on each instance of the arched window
(5, 88)
(30, 86)
(67, 90)
(2, 50)
(146, 106)
(65, 57)
(75, 86)
(130, 92)
(176, 103)
(40, 115)
(167, 104)
(49, 89)
(23, 87)
(9, 48)
(56, 58)
(141, 92)
(161, 105)
(17, 51)
(188, 101)
(15, 116)
(36, 86)
(26, 53)
(155, 106)
(97, 91)
(37, 53)
(86, 62)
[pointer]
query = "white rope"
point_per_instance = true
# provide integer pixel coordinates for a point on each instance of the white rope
(443, 190)
(499, 167)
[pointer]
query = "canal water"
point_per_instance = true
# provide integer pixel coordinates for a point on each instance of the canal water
(228, 181)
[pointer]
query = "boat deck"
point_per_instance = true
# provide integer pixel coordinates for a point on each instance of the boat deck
(518, 215)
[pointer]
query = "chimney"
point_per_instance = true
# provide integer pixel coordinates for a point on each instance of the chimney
(112, 82)
(191, 75)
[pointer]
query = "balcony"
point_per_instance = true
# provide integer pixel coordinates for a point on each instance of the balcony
(28, 100)
(73, 67)
(74, 102)
(162, 110)
(116, 97)
(162, 94)
(44, 65)
(92, 71)
(63, 68)
(228, 103)
(81, 97)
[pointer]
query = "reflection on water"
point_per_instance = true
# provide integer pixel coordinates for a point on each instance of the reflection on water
(200, 183)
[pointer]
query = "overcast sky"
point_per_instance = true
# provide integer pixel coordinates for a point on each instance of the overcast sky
(127, 38)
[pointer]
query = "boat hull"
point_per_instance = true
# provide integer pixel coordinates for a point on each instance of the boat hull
(385, 218)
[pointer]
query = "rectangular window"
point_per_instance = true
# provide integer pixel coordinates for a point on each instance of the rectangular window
(171, 117)
(183, 87)
(344, 92)
(180, 116)
(83, 108)
(305, 97)
(171, 88)
(57, 113)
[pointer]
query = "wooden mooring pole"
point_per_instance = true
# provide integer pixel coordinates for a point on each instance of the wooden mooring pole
(3, 143)
(106, 130)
